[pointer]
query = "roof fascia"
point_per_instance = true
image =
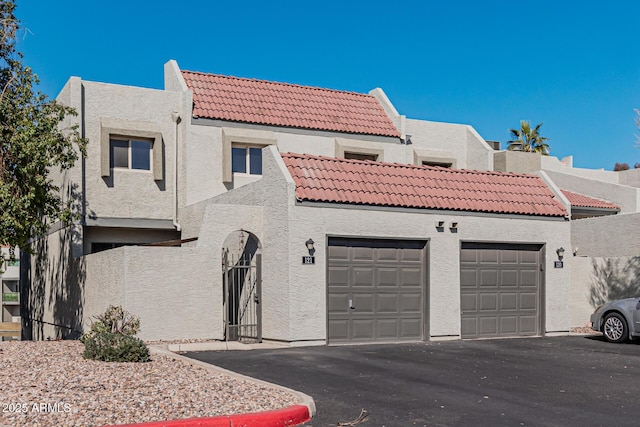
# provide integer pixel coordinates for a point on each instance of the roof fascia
(293, 130)
(308, 203)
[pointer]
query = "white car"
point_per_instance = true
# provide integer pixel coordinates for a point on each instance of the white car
(618, 320)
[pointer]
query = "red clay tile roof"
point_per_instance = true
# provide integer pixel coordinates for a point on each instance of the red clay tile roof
(580, 200)
(327, 179)
(283, 104)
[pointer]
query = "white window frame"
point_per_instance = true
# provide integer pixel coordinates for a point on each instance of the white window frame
(126, 129)
(247, 147)
(128, 140)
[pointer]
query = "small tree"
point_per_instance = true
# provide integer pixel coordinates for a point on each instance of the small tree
(31, 143)
(527, 139)
(621, 167)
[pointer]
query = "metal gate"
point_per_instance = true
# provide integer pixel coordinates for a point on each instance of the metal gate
(242, 282)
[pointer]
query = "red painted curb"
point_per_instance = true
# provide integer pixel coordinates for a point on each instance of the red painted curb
(290, 416)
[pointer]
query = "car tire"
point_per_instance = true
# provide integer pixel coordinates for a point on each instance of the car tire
(615, 328)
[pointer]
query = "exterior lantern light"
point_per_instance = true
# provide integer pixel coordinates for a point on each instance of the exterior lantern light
(560, 252)
(309, 243)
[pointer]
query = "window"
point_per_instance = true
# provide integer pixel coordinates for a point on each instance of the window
(246, 159)
(99, 246)
(437, 164)
(130, 153)
(360, 156)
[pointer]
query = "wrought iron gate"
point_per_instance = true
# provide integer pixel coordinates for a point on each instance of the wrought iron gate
(242, 281)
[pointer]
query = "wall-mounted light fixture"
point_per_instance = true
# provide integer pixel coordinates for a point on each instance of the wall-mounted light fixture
(439, 224)
(560, 252)
(575, 251)
(309, 243)
(453, 225)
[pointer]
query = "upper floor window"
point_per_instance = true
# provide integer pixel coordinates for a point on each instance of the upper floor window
(246, 159)
(360, 156)
(437, 164)
(130, 153)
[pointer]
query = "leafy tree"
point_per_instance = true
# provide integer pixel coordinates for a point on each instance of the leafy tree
(32, 142)
(527, 139)
(621, 167)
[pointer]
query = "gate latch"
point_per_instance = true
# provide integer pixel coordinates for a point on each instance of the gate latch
(351, 304)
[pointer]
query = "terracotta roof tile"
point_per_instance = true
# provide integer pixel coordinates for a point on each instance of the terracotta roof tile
(283, 104)
(332, 180)
(580, 200)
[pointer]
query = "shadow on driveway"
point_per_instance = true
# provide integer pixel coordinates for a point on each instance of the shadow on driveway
(562, 381)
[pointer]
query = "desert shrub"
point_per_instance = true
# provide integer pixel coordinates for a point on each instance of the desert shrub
(111, 338)
(110, 347)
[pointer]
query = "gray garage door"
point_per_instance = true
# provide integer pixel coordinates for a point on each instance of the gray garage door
(500, 290)
(376, 290)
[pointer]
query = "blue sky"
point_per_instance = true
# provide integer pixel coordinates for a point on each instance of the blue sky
(573, 65)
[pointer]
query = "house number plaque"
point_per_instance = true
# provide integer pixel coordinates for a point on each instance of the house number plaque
(308, 260)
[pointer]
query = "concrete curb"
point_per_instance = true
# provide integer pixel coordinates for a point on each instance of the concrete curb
(290, 416)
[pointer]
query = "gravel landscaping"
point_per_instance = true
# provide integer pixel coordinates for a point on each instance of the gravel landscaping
(49, 383)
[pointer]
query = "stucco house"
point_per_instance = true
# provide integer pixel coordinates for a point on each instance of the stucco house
(233, 208)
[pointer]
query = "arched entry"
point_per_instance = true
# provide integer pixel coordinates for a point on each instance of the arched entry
(241, 278)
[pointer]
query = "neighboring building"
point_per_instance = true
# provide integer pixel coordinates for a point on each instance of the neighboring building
(223, 207)
(10, 278)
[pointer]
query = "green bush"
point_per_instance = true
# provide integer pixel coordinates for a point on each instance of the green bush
(110, 347)
(111, 338)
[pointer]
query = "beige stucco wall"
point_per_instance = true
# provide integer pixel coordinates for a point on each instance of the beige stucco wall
(627, 197)
(294, 295)
(595, 280)
(607, 236)
(128, 193)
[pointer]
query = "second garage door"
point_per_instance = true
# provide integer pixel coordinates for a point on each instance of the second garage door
(376, 290)
(500, 290)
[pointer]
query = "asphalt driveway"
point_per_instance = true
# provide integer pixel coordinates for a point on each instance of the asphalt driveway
(563, 381)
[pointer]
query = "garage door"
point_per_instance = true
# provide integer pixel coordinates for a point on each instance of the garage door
(500, 290)
(376, 290)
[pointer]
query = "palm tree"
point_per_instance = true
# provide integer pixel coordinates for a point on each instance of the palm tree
(527, 139)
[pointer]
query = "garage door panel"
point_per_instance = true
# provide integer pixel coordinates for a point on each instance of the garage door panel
(469, 302)
(528, 325)
(528, 278)
(469, 256)
(500, 288)
(508, 325)
(488, 278)
(410, 277)
(362, 329)
(529, 257)
(338, 302)
(508, 278)
(508, 301)
(387, 328)
(338, 253)
(364, 303)
(388, 303)
(384, 279)
(410, 329)
(488, 325)
(488, 302)
(489, 256)
(362, 277)
(387, 277)
(468, 278)
(528, 301)
(508, 257)
(387, 255)
(469, 326)
(338, 329)
(338, 276)
(362, 254)
(410, 303)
